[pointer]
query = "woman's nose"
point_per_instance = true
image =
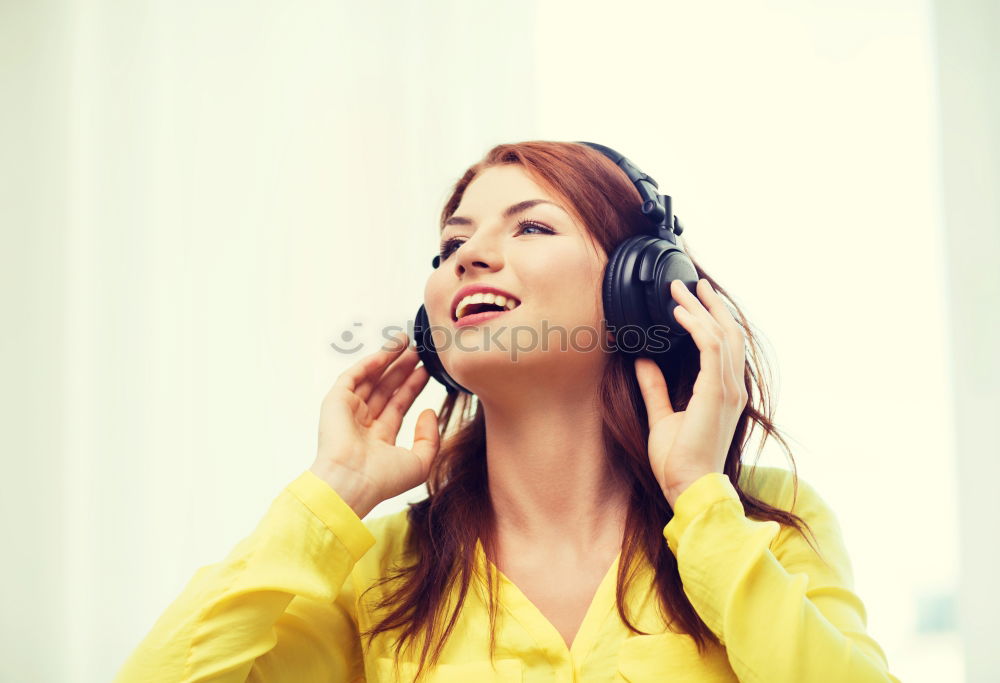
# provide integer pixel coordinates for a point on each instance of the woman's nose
(477, 254)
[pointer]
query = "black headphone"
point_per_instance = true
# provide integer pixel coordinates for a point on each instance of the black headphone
(636, 289)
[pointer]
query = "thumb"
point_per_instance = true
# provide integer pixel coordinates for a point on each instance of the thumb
(426, 439)
(653, 386)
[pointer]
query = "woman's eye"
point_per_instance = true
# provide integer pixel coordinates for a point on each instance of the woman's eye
(450, 245)
(525, 225)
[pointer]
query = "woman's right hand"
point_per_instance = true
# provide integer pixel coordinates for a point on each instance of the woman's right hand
(359, 420)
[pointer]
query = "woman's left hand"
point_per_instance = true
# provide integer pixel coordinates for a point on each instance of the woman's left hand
(687, 444)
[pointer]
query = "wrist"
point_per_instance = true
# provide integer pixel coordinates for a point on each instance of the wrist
(673, 491)
(349, 486)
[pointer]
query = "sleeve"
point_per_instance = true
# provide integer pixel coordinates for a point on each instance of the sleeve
(279, 607)
(783, 613)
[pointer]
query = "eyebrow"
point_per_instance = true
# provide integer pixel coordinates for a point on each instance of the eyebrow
(508, 212)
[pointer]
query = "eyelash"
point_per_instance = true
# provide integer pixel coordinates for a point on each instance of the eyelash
(449, 246)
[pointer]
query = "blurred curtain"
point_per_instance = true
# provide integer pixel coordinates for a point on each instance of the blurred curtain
(197, 199)
(967, 36)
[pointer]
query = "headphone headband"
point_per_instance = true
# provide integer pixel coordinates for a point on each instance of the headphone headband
(655, 206)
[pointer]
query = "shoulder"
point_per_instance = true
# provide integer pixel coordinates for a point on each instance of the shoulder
(780, 488)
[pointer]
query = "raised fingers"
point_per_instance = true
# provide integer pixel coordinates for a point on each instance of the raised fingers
(388, 423)
(706, 332)
(390, 380)
(362, 377)
(736, 340)
(711, 309)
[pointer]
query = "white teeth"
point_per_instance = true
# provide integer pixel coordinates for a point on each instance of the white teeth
(487, 297)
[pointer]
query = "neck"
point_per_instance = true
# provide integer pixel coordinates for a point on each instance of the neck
(549, 478)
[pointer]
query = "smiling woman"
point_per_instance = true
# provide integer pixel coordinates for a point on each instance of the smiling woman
(590, 514)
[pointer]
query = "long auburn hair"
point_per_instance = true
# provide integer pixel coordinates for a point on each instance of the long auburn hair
(444, 527)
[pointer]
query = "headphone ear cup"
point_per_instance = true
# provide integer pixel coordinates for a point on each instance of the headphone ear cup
(612, 311)
(621, 305)
(632, 303)
(624, 296)
(424, 341)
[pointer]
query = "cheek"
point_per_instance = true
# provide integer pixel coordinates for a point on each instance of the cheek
(436, 299)
(573, 291)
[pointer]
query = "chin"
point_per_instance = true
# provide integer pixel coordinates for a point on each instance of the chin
(478, 367)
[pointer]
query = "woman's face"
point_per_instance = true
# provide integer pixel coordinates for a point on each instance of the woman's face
(542, 257)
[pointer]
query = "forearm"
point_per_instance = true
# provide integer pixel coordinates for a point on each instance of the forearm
(229, 614)
(782, 612)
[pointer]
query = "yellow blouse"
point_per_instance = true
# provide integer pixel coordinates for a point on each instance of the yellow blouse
(284, 604)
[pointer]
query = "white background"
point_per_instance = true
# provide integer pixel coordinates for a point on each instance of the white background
(197, 198)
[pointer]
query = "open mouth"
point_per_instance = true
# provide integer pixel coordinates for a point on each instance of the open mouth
(481, 302)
